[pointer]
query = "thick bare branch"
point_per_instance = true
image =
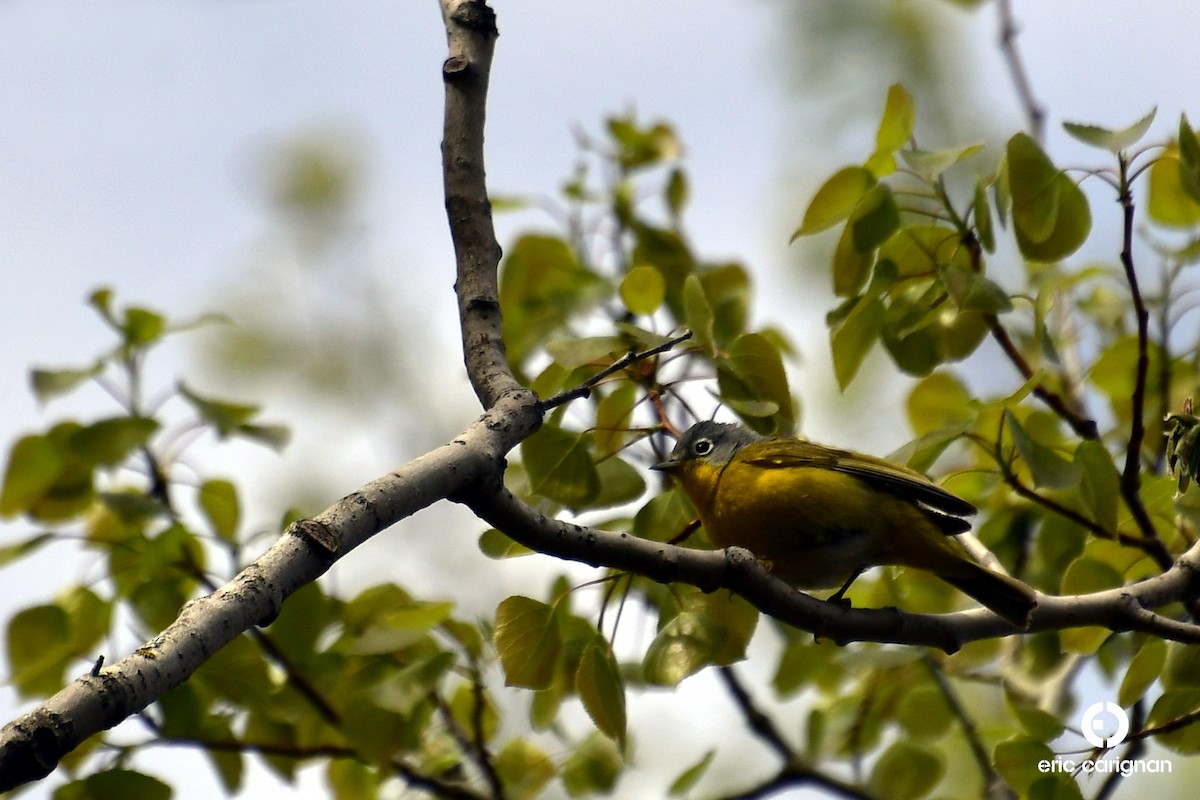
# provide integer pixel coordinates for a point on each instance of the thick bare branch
(471, 32)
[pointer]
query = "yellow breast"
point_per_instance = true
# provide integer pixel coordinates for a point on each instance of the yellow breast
(815, 527)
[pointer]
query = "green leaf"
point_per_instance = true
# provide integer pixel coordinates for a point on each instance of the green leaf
(1036, 722)
(273, 436)
(983, 218)
(142, 327)
(34, 465)
(351, 780)
(1114, 141)
(560, 467)
(101, 300)
(37, 643)
(676, 192)
(835, 200)
(643, 290)
(598, 683)
(226, 417)
(752, 374)
(542, 285)
(853, 336)
(1048, 468)
(1055, 786)
(115, 784)
(851, 267)
(874, 219)
(711, 630)
(620, 483)
(924, 713)
(109, 442)
(1168, 201)
(664, 517)
(614, 419)
(683, 647)
(524, 769)
(973, 292)
(588, 351)
(917, 251)
(667, 252)
(1183, 666)
(1189, 159)
(592, 768)
(930, 164)
(1017, 760)
(1172, 705)
(1036, 189)
(90, 617)
(1100, 485)
(1144, 669)
(727, 288)
(938, 401)
(402, 627)
(688, 779)
(496, 544)
(895, 129)
(642, 146)
(403, 691)
(219, 503)
(18, 550)
(1051, 217)
(905, 771)
(698, 314)
(52, 383)
(528, 642)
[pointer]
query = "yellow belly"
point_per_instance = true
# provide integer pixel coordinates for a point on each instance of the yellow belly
(816, 527)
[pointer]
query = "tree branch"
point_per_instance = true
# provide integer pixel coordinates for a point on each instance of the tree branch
(1035, 115)
(1131, 475)
(759, 722)
(471, 33)
(1083, 426)
(1121, 609)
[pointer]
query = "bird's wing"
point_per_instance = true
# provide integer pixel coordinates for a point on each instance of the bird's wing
(783, 453)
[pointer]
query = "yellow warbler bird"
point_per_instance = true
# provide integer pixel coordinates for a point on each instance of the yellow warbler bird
(820, 516)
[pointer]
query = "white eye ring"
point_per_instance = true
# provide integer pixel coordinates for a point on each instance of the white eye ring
(702, 447)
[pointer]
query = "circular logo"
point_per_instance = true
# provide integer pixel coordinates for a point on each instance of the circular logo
(1094, 722)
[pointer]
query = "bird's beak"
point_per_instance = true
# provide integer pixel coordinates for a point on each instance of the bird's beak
(668, 466)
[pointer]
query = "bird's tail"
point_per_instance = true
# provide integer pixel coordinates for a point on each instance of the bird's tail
(1006, 596)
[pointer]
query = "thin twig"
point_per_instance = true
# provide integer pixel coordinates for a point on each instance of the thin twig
(796, 775)
(585, 389)
(974, 742)
(1084, 427)
(1131, 475)
(1133, 751)
(473, 748)
(1152, 547)
(1034, 112)
(762, 725)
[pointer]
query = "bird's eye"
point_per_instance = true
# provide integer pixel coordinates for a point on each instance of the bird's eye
(702, 447)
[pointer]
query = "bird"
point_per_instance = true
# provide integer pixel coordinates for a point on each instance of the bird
(818, 516)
